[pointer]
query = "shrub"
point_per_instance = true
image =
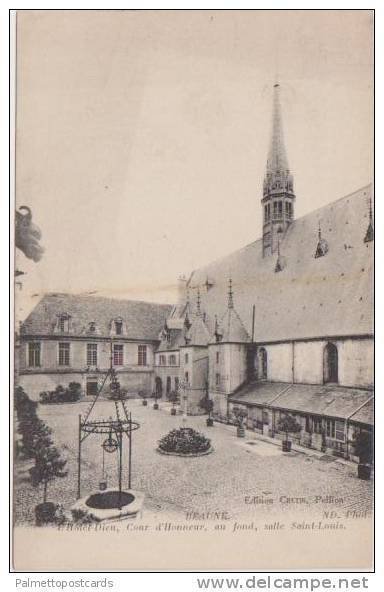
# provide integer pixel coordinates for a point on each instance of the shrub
(27, 421)
(364, 447)
(48, 464)
(240, 415)
(288, 425)
(174, 398)
(118, 394)
(74, 391)
(62, 395)
(207, 404)
(23, 404)
(184, 441)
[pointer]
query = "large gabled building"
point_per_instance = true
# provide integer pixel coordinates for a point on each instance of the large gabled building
(284, 324)
(70, 338)
(294, 315)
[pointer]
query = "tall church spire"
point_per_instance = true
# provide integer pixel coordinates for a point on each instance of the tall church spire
(277, 156)
(278, 196)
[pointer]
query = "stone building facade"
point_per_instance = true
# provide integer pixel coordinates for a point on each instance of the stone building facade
(284, 325)
(290, 317)
(70, 338)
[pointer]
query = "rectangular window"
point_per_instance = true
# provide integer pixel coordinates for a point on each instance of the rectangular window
(162, 360)
(275, 206)
(118, 327)
(63, 324)
(217, 379)
(280, 207)
(142, 355)
(217, 357)
(186, 358)
(330, 428)
(317, 425)
(176, 383)
(64, 349)
(34, 350)
(187, 377)
(91, 354)
(172, 360)
(118, 354)
(339, 430)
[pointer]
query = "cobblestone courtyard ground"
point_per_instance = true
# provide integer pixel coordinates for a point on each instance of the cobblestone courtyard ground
(231, 479)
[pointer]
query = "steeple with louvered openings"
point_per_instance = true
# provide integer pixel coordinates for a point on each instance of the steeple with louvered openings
(231, 328)
(278, 196)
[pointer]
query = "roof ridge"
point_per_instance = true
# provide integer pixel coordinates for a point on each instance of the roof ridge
(109, 298)
(293, 223)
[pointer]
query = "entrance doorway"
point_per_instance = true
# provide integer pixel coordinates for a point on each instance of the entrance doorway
(92, 388)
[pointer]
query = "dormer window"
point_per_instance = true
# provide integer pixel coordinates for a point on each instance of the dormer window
(118, 327)
(63, 323)
(92, 327)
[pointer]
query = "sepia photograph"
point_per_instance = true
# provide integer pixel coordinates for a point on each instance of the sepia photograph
(193, 385)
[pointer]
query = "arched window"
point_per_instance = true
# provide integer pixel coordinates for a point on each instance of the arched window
(262, 364)
(159, 386)
(331, 363)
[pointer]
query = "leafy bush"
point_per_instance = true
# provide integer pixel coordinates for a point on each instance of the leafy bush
(48, 464)
(118, 394)
(184, 441)
(364, 447)
(240, 413)
(288, 425)
(207, 404)
(23, 404)
(62, 395)
(27, 422)
(174, 398)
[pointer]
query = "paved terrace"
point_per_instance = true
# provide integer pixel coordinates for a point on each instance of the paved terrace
(239, 471)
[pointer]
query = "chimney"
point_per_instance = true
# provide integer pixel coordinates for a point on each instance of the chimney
(181, 290)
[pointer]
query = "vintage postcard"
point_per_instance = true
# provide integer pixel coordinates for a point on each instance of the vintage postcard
(194, 240)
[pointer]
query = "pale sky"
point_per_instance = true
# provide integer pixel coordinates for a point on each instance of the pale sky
(142, 136)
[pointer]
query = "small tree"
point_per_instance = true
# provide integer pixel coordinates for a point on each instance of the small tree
(240, 413)
(48, 464)
(207, 404)
(288, 425)
(364, 447)
(74, 391)
(174, 398)
(27, 421)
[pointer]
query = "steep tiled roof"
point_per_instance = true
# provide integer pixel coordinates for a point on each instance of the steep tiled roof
(174, 341)
(232, 328)
(142, 320)
(199, 333)
(311, 297)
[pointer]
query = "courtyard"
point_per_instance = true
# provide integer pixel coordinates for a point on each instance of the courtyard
(244, 477)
